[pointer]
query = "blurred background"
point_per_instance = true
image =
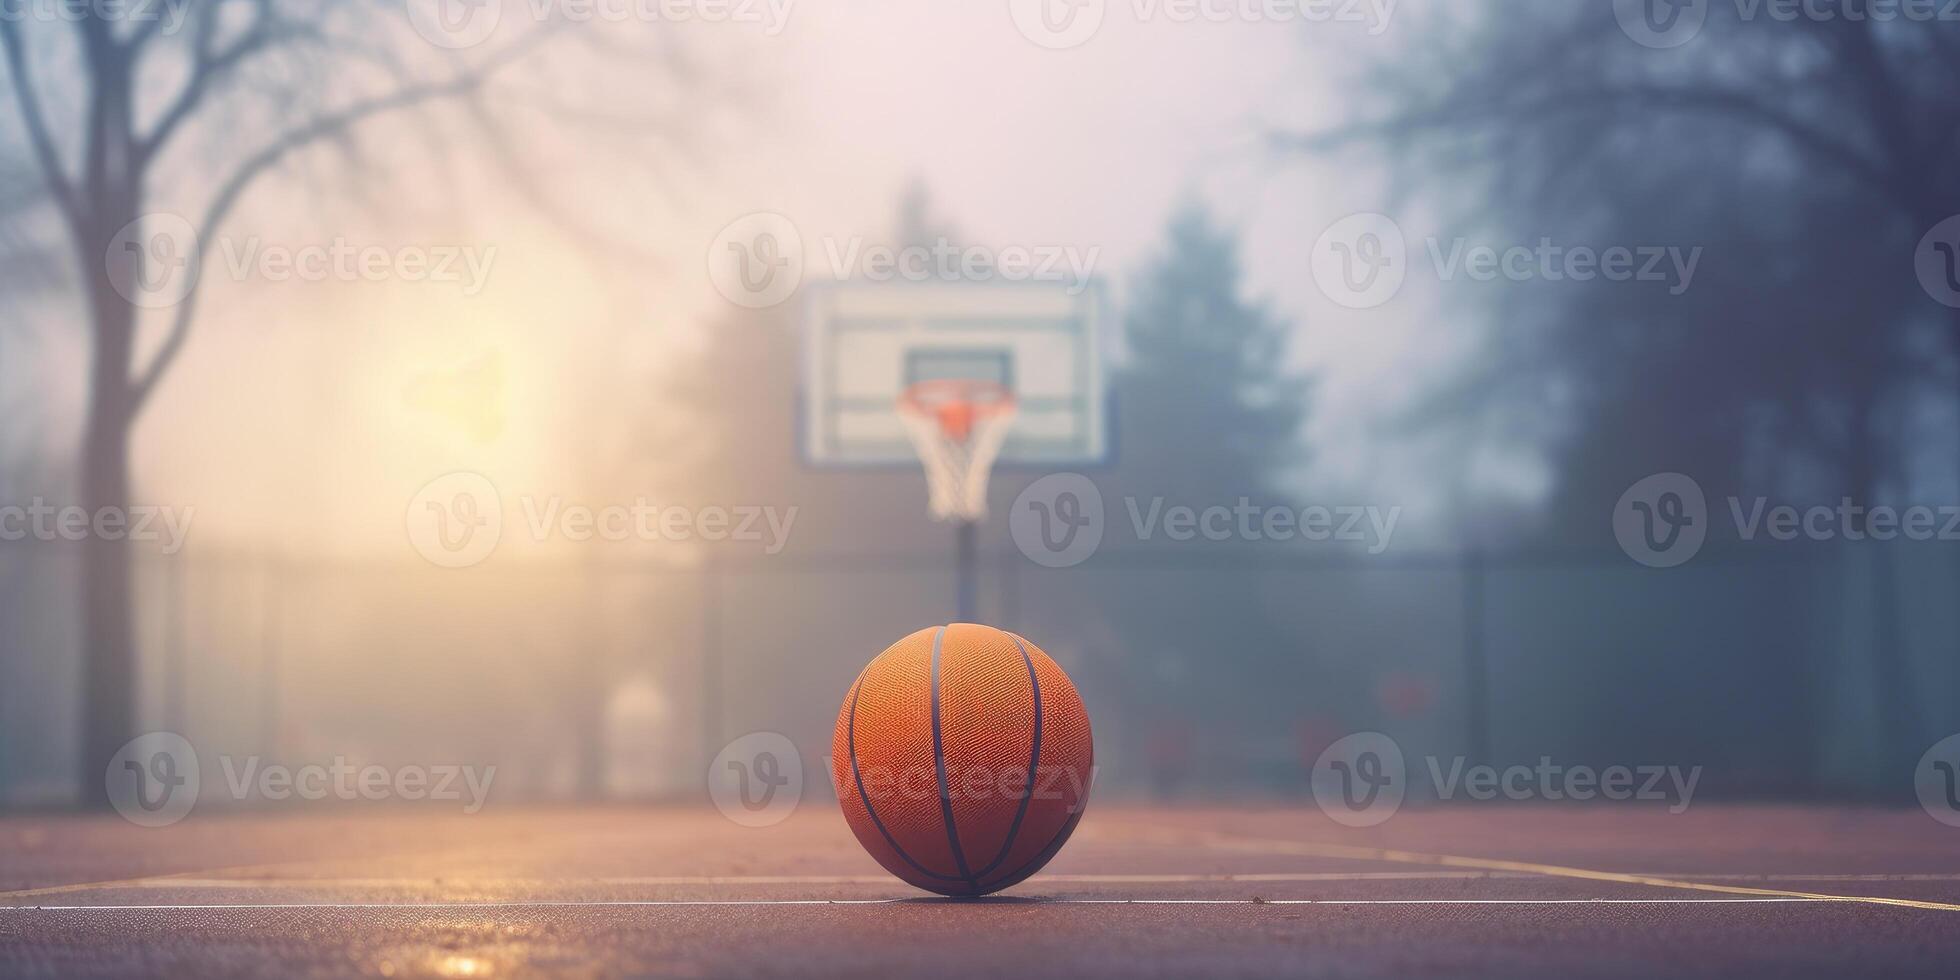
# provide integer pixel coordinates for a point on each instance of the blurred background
(379, 242)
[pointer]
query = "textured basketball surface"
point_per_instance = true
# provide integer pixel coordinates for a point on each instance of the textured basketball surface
(962, 759)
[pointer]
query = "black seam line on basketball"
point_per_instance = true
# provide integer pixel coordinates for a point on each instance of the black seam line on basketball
(851, 746)
(939, 768)
(1042, 857)
(1034, 763)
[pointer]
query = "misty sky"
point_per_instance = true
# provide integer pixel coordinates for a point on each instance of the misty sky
(1090, 148)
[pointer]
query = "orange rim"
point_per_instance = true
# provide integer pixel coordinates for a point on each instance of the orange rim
(956, 404)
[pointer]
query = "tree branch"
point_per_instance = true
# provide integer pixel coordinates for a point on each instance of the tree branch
(145, 32)
(1455, 115)
(209, 66)
(251, 168)
(36, 125)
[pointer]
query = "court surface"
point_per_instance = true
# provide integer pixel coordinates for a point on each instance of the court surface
(1496, 891)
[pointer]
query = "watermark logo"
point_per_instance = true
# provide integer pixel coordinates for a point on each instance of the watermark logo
(757, 260)
(1661, 23)
(345, 782)
(1058, 24)
(1057, 522)
(965, 783)
(1360, 780)
(455, 24)
(760, 259)
(943, 261)
(43, 521)
(455, 520)
(168, 16)
(153, 779)
(1662, 520)
(1363, 779)
(757, 780)
(1547, 780)
(1372, 15)
(1668, 265)
(459, 24)
(644, 520)
(1937, 781)
(1246, 521)
(1062, 24)
(1361, 261)
(1672, 23)
(1937, 262)
(156, 261)
(340, 260)
(153, 261)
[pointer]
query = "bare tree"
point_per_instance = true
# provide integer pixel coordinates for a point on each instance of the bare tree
(1828, 147)
(111, 106)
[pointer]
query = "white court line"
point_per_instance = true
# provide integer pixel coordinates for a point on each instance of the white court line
(455, 881)
(1270, 846)
(924, 901)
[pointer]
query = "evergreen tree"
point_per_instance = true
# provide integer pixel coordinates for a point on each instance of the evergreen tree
(1207, 411)
(1207, 415)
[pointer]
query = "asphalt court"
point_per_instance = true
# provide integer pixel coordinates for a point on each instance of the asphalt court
(1460, 891)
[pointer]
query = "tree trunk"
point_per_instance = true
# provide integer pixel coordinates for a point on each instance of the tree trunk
(1953, 332)
(109, 197)
(108, 637)
(1891, 673)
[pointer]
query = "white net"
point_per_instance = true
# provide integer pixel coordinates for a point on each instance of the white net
(958, 431)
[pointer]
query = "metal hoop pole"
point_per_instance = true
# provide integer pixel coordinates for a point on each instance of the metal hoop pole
(966, 575)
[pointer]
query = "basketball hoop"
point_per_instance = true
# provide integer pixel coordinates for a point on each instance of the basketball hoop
(958, 427)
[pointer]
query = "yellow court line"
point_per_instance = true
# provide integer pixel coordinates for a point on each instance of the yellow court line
(1343, 851)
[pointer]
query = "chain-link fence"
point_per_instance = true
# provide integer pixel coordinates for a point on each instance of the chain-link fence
(1784, 673)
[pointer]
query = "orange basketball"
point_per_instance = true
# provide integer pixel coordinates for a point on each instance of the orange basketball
(962, 759)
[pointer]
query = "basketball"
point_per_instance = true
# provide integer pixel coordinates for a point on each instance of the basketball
(962, 759)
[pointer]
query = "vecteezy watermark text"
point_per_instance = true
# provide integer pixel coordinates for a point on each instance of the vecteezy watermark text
(168, 15)
(759, 260)
(457, 519)
(1245, 521)
(1361, 262)
(1546, 780)
(851, 258)
(1663, 520)
(643, 520)
(1062, 24)
(1672, 23)
(155, 780)
(340, 260)
(157, 260)
(344, 781)
(468, 23)
(975, 783)
(1059, 521)
(43, 521)
(1362, 780)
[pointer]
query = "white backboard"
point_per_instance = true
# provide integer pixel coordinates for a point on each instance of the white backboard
(865, 342)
